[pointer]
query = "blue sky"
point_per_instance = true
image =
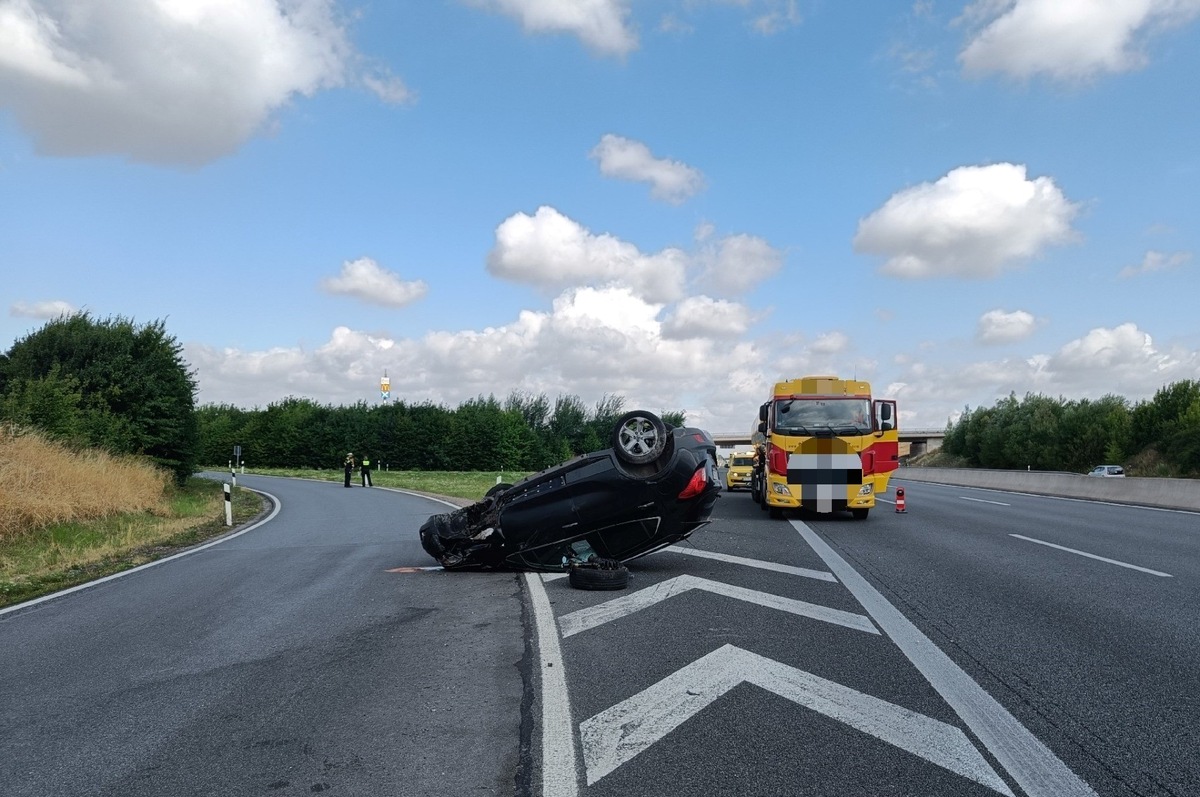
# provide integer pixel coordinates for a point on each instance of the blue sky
(675, 201)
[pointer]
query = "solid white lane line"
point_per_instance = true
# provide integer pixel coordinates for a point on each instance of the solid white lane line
(1093, 556)
(156, 563)
(820, 575)
(602, 613)
(982, 501)
(559, 777)
(1030, 762)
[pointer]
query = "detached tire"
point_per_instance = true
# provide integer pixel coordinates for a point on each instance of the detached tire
(597, 578)
(639, 437)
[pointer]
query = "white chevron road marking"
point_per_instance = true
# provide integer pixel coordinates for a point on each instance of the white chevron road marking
(618, 734)
(593, 616)
(804, 572)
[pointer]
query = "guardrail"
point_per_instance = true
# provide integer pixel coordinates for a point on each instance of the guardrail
(1162, 493)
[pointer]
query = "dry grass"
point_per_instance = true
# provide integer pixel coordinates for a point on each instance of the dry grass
(68, 517)
(43, 483)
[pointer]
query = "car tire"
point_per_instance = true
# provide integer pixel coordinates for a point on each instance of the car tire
(598, 578)
(498, 488)
(639, 437)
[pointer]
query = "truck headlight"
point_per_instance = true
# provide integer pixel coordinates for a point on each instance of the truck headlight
(782, 489)
(866, 489)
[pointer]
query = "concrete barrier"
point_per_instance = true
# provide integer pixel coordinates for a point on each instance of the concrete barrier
(1163, 493)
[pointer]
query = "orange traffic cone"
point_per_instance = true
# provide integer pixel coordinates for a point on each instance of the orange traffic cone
(900, 500)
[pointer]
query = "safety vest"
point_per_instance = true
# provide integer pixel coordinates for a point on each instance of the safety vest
(366, 463)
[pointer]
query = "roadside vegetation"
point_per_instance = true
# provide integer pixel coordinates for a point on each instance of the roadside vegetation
(1159, 437)
(467, 485)
(69, 516)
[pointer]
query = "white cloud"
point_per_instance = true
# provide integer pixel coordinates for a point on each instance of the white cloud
(1066, 39)
(974, 222)
(1156, 261)
(1122, 361)
(705, 317)
(161, 81)
(736, 264)
(830, 343)
(591, 343)
(603, 25)
(997, 326)
(41, 310)
(1108, 349)
(626, 159)
(388, 87)
(366, 280)
(552, 251)
(779, 15)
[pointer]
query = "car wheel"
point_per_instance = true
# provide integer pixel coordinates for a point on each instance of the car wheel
(599, 578)
(498, 488)
(639, 437)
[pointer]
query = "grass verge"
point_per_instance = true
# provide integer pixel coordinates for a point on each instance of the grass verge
(62, 555)
(470, 485)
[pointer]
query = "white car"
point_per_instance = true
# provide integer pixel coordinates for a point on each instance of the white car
(1108, 470)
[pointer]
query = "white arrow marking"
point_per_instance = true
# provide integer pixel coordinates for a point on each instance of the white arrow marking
(820, 575)
(617, 734)
(584, 619)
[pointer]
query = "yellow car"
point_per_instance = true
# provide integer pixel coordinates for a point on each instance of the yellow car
(741, 463)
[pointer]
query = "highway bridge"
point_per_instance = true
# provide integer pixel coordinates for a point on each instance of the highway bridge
(913, 442)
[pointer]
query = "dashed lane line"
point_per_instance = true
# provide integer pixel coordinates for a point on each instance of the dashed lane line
(1093, 556)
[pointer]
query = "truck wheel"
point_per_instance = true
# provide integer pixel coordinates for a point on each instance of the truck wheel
(859, 514)
(776, 513)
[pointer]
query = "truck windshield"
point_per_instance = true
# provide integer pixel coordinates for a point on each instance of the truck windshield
(823, 416)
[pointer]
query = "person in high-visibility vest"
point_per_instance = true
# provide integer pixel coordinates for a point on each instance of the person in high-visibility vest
(365, 470)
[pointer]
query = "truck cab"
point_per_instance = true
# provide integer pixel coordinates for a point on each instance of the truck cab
(825, 445)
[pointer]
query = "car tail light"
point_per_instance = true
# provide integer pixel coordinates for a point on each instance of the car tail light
(696, 486)
(778, 460)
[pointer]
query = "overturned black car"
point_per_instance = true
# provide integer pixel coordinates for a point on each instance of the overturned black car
(653, 487)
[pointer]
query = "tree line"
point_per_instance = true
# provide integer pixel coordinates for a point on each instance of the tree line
(125, 388)
(121, 387)
(1154, 437)
(525, 432)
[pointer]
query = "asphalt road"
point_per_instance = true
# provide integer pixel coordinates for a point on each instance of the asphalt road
(286, 661)
(981, 643)
(996, 665)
